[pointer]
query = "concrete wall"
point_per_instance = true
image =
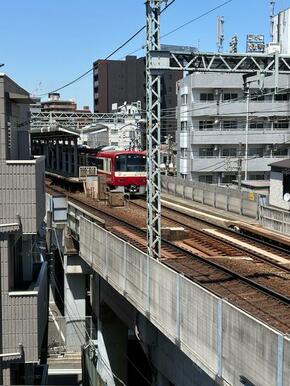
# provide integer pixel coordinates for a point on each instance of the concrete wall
(24, 313)
(14, 120)
(22, 192)
(231, 200)
(223, 341)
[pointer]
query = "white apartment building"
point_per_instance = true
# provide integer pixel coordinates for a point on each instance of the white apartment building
(212, 135)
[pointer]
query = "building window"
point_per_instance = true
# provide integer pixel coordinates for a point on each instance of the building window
(281, 97)
(256, 125)
(255, 152)
(205, 178)
(183, 152)
(206, 125)
(205, 152)
(206, 97)
(229, 152)
(286, 183)
(230, 96)
(280, 152)
(184, 99)
(256, 177)
(183, 125)
(228, 178)
(283, 124)
(228, 125)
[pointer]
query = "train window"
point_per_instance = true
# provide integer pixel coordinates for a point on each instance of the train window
(99, 163)
(107, 165)
(131, 163)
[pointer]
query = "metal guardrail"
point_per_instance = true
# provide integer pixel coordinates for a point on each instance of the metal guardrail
(275, 219)
(222, 340)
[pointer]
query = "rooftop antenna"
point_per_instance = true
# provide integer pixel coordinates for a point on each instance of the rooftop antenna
(234, 44)
(220, 33)
(272, 13)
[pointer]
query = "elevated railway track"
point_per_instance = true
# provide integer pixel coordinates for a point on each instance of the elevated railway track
(251, 280)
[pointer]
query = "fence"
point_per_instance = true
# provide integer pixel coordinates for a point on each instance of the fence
(275, 219)
(85, 171)
(228, 199)
(222, 340)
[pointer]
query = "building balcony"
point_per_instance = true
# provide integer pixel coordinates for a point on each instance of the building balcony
(22, 193)
(236, 136)
(238, 108)
(230, 164)
(25, 316)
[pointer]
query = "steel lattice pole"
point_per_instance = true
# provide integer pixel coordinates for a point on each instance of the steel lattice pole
(153, 131)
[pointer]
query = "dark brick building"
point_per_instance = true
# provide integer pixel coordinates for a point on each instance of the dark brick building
(119, 81)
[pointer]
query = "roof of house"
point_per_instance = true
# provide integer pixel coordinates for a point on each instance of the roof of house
(283, 164)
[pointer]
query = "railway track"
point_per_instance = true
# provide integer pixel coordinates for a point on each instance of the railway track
(240, 253)
(245, 290)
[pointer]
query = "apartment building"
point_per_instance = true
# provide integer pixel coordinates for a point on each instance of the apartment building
(23, 272)
(119, 81)
(212, 136)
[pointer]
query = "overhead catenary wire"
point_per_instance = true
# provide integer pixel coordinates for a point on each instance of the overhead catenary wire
(132, 37)
(106, 58)
(91, 69)
(196, 18)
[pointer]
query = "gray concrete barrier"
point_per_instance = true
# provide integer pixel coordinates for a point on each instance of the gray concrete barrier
(225, 342)
(228, 199)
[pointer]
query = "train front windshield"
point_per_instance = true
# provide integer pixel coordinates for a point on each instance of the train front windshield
(130, 163)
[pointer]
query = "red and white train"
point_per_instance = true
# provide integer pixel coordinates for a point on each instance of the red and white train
(122, 168)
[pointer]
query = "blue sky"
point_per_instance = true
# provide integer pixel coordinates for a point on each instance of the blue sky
(54, 41)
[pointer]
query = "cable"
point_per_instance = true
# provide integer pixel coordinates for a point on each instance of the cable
(86, 331)
(196, 18)
(108, 57)
(241, 98)
(91, 69)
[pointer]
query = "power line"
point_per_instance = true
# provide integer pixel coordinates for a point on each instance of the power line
(133, 36)
(91, 69)
(196, 18)
(108, 57)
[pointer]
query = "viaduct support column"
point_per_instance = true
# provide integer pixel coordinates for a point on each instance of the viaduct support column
(112, 347)
(75, 305)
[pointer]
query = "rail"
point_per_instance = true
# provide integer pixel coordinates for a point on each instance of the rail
(209, 330)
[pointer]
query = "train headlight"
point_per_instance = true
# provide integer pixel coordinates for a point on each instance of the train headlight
(133, 188)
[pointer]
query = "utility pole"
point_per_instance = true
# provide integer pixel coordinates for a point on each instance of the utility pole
(247, 92)
(220, 33)
(240, 166)
(153, 93)
(272, 13)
